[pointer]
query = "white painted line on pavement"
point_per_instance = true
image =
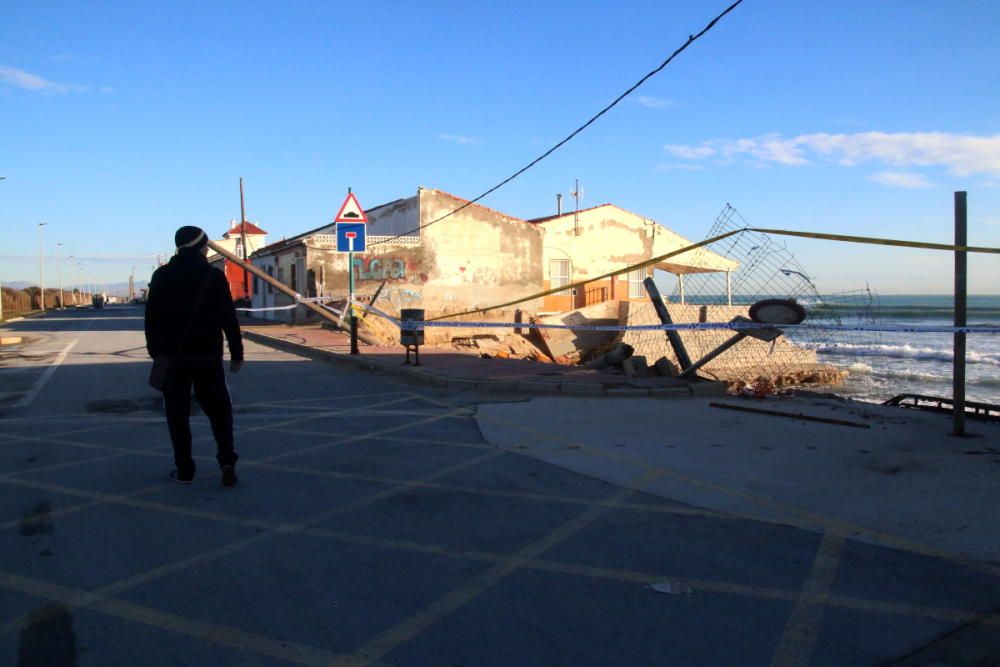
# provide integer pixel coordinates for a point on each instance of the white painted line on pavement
(49, 372)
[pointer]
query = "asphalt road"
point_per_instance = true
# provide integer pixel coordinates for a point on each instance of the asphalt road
(373, 525)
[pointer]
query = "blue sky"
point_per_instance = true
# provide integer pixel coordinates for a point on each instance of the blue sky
(120, 122)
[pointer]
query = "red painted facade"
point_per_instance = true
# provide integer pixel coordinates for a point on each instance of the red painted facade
(235, 273)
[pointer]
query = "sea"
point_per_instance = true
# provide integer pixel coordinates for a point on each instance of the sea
(886, 364)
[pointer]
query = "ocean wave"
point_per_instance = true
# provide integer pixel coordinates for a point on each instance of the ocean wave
(904, 352)
(936, 378)
(981, 315)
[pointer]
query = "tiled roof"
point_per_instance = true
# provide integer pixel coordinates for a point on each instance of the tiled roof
(250, 229)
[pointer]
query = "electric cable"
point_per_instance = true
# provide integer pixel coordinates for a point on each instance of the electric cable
(690, 40)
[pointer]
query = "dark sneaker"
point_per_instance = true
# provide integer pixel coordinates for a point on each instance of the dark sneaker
(229, 477)
(176, 475)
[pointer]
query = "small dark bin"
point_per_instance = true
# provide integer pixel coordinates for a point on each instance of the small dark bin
(412, 336)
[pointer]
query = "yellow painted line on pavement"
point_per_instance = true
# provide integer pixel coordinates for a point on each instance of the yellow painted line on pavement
(211, 633)
(399, 438)
(403, 632)
(316, 399)
(795, 648)
(794, 516)
(360, 437)
(75, 431)
(335, 412)
(93, 598)
(306, 528)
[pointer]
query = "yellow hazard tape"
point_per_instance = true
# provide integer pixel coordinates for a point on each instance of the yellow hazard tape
(876, 241)
(714, 239)
(563, 288)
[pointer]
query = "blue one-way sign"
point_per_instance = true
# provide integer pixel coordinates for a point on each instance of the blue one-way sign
(350, 237)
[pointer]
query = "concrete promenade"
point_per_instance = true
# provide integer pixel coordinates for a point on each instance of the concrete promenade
(379, 520)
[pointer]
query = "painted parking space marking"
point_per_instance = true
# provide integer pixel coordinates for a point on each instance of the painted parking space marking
(212, 632)
(46, 376)
(795, 648)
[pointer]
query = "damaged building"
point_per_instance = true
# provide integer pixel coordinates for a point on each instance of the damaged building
(477, 257)
(440, 253)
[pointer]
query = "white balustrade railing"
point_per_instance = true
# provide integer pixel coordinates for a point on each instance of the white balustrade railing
(331, 239)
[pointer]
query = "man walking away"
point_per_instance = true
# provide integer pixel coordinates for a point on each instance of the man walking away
(188, 308)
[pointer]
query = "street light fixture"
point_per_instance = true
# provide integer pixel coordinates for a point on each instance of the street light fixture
(41, 268)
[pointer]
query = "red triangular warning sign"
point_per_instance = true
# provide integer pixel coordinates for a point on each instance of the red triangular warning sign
(351, 211)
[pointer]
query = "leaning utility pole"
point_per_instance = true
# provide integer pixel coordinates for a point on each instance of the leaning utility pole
(278, 285)
(243, 241)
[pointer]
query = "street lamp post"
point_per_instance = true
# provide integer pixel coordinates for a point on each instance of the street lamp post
(62, 301)
(41, 268)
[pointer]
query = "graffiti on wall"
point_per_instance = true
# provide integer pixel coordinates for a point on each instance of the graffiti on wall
(379, 268)
(401, 298)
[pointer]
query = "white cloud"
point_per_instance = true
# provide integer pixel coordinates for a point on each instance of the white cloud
(651, 102)
(899, 179)
(13, 76)
(690, 152)
(458, 139)
(961, 155)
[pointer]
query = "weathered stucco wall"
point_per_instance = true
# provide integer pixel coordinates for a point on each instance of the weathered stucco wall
(610, 239)
(475, 258)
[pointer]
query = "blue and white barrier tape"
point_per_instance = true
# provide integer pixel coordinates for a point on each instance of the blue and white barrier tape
(411, 325)
(299, 300)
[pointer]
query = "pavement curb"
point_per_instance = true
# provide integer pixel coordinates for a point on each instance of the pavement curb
(534, 387)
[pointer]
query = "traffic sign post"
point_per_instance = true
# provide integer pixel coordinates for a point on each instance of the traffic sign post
(351, 221)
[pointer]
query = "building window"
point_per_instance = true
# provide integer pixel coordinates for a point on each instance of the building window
(270, 273)
(239, 249)
(635, 288)
(293, 274)
(281, 275)
(559, 274)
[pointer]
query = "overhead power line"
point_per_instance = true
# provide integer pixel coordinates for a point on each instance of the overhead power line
(690, 40)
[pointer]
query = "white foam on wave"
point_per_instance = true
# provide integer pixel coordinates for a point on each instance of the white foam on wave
(904, 352)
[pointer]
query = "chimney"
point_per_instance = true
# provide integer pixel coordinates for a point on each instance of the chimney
(232, 224)
(559, 204)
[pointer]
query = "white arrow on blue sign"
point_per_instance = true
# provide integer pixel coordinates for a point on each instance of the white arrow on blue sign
(350, 237)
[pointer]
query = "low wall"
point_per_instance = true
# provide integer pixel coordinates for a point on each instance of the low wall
(780, 361)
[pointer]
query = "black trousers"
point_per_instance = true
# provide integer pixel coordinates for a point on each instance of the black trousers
(209, 381)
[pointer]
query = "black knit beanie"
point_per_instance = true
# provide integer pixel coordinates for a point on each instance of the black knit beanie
(190, 237)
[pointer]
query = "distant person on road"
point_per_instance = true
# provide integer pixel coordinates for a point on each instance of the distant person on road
(188, 308)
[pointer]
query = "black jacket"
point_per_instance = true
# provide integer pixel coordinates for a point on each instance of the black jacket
(177, 324)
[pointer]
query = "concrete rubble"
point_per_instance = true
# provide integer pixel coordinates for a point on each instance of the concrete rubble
(751, 364)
